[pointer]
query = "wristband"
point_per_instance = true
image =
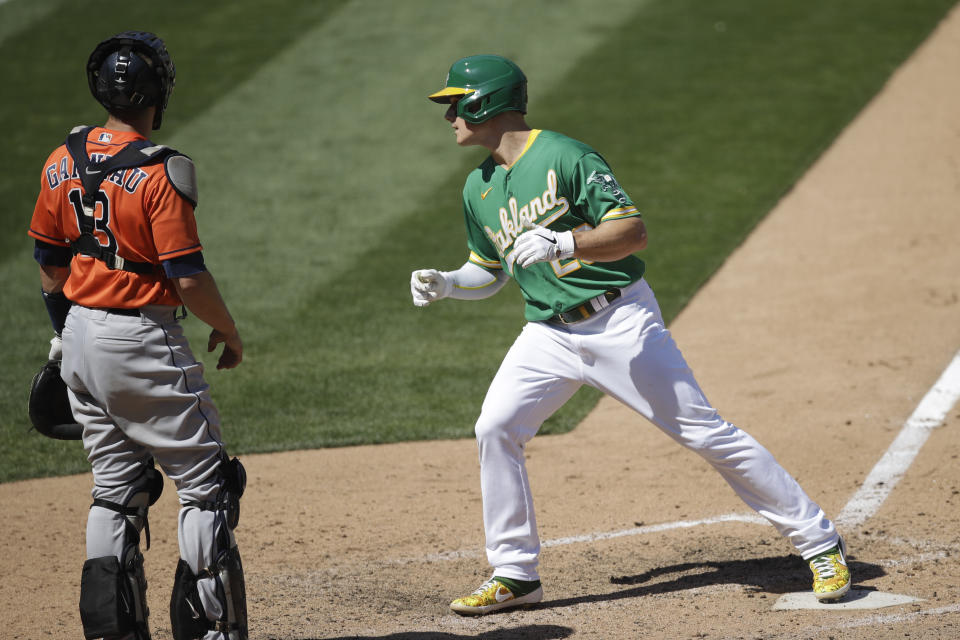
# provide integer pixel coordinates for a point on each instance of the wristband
(565, 245)
(57, 308)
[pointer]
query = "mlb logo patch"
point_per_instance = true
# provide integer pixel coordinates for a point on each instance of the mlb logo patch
(105, 137)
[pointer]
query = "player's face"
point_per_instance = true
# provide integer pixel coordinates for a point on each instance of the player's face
(466, 132)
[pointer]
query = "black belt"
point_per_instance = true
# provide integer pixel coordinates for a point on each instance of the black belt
(585, 310)
(124, 312)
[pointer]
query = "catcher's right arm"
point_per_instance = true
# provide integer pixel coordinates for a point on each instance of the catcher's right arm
(49, 407)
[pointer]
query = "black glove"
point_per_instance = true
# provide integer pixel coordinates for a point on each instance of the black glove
(49, 407)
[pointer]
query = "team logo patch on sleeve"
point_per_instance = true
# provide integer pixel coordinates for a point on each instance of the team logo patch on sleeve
(608, 184)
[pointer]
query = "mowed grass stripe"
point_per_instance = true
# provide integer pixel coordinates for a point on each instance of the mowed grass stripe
(258, 178)
(730, 103)
(215, 45)
(340, 356)
(337, 214)
(707, 114)
(16, 15)
(306, 164)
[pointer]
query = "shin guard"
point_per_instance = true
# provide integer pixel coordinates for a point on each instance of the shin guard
(188, 617)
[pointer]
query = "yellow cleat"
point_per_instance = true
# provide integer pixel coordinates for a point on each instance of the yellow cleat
(831, 576)
(494, 595)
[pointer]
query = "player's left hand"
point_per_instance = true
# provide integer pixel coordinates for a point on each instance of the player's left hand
(429, 285)
(539, 244)
(56, 348)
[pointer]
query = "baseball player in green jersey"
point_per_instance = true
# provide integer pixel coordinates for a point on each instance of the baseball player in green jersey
(547, 211)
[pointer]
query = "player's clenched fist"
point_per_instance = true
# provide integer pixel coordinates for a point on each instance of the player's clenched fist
(232, 348)
(429, 285)
(539, 244)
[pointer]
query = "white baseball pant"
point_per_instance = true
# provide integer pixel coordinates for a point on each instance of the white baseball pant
(138, 391)
(627, 352)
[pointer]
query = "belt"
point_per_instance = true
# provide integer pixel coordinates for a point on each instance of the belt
(124, 312)
(587, 309)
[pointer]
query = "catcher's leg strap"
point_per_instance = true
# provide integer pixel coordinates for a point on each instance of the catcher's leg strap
(143, 493)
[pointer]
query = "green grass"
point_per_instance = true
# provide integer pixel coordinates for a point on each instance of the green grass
(326, 177)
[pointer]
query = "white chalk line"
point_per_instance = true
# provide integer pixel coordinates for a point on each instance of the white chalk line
(656, 528)
(891, 618)
(928, 415)
(606, 535)
(919, 559)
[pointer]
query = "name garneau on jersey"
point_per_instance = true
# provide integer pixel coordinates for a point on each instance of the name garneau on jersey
(61, 172)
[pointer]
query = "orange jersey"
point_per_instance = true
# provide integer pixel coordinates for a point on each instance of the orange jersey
(137, 209)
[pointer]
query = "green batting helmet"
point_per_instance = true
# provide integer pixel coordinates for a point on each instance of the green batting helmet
(487, 85)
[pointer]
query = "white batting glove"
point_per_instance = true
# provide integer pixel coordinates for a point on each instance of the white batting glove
(539, 244)
(429, 285)
(56, 348)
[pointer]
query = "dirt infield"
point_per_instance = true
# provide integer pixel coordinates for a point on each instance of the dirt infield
(819, 336)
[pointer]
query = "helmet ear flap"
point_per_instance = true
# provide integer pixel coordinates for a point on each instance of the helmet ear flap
(470, 106)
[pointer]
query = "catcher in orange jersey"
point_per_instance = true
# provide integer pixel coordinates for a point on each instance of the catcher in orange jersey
(119, 254)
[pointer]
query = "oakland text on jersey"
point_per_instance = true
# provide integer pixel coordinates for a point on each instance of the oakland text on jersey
(59, 172)
(511, 222)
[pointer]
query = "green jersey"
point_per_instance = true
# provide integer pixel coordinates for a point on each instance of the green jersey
(560, 183)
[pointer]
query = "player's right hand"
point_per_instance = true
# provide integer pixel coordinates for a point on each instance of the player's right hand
(429, 285)
(232, 348)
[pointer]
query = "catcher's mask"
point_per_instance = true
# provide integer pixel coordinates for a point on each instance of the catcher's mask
(132, 70)
(486, 85)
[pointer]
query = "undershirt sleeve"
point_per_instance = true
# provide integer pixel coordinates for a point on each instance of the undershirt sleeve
(183, 266)
(473, 282)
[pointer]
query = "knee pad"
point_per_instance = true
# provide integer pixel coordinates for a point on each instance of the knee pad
(113, 596)
(113, 591)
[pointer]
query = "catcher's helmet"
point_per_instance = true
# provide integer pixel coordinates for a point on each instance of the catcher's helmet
(132, 70)
(488, 85)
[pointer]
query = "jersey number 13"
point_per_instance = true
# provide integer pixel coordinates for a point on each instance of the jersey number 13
(101, 225)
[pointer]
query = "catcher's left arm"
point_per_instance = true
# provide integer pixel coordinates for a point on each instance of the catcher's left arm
(48, 406)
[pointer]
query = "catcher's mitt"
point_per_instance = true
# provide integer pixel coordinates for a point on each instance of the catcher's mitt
(49, 407)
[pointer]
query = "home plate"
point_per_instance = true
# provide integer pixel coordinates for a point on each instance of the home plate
(855, 599)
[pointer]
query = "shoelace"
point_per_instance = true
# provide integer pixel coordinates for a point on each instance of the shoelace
(824, 566)
(486, 585)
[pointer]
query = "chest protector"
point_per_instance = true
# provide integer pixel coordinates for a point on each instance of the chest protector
(92, 174)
